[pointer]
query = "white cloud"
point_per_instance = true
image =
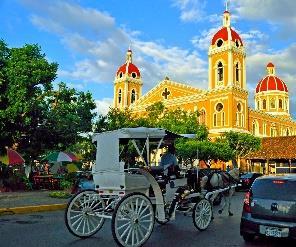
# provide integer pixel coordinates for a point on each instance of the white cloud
(203, 40)
(103, 105)
(255, 41)
(104, 52)
(191, 10)
(178, 64)
(273, 11)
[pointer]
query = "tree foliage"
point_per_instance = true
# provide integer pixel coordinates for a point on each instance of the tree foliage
(177, 121)
(241, 143)
(192, 149)
(33, 115)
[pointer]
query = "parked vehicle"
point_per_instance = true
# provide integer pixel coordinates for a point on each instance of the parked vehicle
(247, 179)
(269, 208)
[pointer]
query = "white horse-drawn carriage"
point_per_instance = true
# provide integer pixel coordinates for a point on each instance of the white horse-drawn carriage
(122, 193)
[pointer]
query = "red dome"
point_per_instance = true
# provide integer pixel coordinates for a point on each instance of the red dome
(223, 34)
(270, 65)
(271, 82)
(131, 68)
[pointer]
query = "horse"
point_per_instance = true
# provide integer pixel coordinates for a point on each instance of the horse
(218, 180)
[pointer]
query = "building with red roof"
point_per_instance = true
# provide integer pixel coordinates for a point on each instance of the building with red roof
(224, 106)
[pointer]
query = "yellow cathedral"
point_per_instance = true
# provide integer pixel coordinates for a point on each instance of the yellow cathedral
(224, 105)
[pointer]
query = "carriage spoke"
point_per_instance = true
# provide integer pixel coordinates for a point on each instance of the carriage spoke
(84, 224)
(139, 210)
(133, 237)
(128, 235)
(78, 220)
(82, 217)
(133, 220)
(125, 231)
(123, 226)
(146, 215)
(75, 216)
(79, 224)
(144, 211)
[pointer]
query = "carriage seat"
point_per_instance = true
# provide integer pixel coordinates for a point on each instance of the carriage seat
(156, 170)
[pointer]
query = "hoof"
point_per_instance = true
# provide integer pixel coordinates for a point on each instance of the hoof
(230, 214)
(220, 211)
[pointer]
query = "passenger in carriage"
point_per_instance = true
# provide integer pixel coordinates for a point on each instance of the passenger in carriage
(169, 161)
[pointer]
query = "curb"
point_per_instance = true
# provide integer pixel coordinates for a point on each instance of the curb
(32, 209)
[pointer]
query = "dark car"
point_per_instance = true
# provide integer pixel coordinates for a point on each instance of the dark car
(247, 179)
(270, 208)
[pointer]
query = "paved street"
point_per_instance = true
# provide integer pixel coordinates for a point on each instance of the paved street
(48, 229)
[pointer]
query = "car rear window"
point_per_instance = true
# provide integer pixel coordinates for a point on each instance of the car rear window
(275, 189)
(247, 175)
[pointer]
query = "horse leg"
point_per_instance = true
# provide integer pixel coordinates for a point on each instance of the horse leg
(223, 205)
(229, 202)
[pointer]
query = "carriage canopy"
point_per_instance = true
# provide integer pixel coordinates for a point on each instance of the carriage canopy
(107, 155)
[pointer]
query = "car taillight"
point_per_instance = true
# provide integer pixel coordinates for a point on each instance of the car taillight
(247, 203)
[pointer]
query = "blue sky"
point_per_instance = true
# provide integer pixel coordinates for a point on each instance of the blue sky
(89, 38)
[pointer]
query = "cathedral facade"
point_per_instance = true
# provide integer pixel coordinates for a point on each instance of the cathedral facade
(224, 105)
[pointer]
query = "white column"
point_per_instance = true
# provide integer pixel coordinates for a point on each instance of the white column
(125, 93)
(114, 95)
(230, 66)
(210, 70)
(244, 73)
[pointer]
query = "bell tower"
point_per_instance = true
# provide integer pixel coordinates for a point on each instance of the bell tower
(227, 80)
(127, 83)
(227, 55)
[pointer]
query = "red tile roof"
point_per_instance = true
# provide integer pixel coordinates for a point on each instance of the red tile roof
(283, 147)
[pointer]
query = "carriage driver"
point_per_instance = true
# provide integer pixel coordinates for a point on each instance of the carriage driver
(168, 159)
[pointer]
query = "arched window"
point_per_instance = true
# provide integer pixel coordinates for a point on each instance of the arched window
(255, 128)
(264, 129)
(239, 114)
(272, 131)
(272, 103)
(264, 104)
(219, 116)
(280, 104)
(219, 42)
(236, 73)
(258, 105)
(134, 75)
(220, 71)
(202, 117)
(119, 96)
(133, 96)
(215, 119)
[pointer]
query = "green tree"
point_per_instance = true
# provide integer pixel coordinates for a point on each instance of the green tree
(190, 150)
(33, 115)
(26, 76)
(241, 143)
(68, 114)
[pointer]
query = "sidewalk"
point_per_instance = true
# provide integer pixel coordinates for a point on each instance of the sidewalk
(28, 202)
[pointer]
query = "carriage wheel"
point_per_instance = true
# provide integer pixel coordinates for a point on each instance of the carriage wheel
(202, 214)
(81, 215)
(132, 220)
